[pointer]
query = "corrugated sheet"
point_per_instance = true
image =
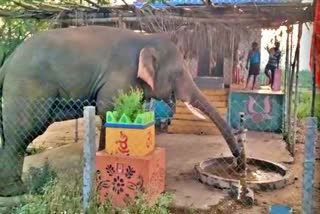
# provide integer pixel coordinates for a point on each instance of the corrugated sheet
(253, 1)
(159, 4)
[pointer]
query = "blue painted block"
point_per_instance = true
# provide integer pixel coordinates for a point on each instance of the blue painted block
(280, 209)
(263, 111)
(162, 111)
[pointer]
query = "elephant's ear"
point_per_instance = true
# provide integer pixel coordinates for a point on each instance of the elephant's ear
(146, 69)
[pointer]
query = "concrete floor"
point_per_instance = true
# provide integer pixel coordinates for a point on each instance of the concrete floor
(183, 152)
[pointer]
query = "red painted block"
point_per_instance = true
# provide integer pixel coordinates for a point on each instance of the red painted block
(121, 178)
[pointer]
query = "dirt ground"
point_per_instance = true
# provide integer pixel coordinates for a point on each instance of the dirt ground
(183, 152)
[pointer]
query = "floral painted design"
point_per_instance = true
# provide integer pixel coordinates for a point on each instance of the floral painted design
(101, 183)
(118, 185)
(136, 186)
(130, 172)
(110, 170)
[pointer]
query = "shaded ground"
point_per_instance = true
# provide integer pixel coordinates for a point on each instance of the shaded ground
(183, 152)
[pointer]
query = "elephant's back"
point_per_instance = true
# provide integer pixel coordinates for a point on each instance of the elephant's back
(69, 45)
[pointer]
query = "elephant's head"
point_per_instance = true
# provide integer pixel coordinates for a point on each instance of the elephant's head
(162, 73)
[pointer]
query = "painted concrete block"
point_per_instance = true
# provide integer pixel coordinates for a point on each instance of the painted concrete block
(130, 140)
(121, 178)
(264, 111)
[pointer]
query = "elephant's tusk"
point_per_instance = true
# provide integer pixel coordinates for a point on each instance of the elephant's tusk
(195, 111)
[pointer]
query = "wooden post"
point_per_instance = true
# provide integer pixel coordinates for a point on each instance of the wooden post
(296, 90)
(89, 149)
(290, 84)
(313, 98)
(232, 55)
(286, 76)
(293, 67)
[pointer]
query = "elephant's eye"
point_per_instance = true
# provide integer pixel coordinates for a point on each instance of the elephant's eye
(155, 64)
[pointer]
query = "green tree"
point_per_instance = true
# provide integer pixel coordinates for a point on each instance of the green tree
(15, 30)
(305, 79)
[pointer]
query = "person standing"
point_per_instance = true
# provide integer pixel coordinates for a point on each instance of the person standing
(273, 62)
(254, 68)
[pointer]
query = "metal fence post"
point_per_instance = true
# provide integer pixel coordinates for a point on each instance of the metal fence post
(309, 165)
(89, 149)
(77, 131)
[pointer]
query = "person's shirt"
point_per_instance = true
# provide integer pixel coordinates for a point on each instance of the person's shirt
(254, 57)
(274, 57)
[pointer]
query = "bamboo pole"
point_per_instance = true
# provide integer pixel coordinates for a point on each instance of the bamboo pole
(314, 77)
(296, 90)
(289, 92)
(288, 100)
(314, 67)
(232, 55)
(26, 5)
(285, 131)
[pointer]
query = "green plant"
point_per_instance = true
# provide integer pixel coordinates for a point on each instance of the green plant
(304, 106)
(131, 104)
(64, 195)
(140, 206)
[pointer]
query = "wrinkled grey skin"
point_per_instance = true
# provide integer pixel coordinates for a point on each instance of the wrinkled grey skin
(86, 63)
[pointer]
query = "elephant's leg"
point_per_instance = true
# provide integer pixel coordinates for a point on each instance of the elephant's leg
(102, 135)
(104, 103)
(23, 120)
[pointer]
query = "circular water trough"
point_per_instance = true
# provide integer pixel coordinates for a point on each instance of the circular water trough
(280, 177)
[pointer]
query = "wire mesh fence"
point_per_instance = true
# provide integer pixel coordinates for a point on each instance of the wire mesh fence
(270, 170)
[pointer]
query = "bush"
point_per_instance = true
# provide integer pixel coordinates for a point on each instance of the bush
(304, 107)
(64, 195)
(130, 104)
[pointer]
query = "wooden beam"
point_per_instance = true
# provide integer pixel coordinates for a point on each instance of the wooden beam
(26, 5)
(93, 3)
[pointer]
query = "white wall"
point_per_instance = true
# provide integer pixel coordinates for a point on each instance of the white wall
(306, 38)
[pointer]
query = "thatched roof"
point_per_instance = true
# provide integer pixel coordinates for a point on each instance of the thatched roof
(253, 15)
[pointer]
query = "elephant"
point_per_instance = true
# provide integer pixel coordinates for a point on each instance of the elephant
(93, 63)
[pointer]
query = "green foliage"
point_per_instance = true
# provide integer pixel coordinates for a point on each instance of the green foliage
(305, 79)
(140, 206)
(15, 31)
(304, 107)
(131, 104)
(64, 195)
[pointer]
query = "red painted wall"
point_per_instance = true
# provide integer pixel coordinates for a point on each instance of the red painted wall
(316, 33)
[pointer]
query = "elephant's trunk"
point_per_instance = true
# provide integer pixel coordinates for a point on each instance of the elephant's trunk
(188, 92)
(199, 101)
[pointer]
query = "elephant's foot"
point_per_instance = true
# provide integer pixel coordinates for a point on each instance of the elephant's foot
(12, 188)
